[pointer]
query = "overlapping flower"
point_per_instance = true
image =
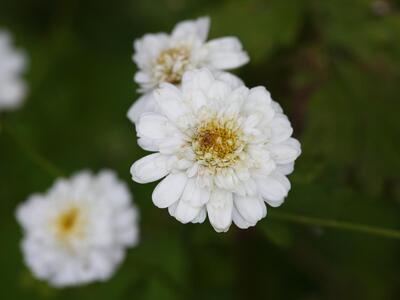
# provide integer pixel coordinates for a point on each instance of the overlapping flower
(166, 57)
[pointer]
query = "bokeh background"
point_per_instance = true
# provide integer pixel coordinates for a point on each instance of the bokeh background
(333, 65)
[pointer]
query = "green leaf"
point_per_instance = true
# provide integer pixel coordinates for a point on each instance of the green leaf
(263, 26)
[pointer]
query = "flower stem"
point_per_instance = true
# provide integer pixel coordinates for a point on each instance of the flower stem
(336, 224)
(34, 156)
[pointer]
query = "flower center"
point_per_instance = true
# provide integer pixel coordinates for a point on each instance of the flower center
(171, 64)
(217, 143)
(67, 221)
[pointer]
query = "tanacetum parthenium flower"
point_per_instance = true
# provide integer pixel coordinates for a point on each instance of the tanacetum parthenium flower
(224, 150)
(79, 230)
(166, 57)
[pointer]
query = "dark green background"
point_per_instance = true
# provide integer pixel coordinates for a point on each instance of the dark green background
(335, 68)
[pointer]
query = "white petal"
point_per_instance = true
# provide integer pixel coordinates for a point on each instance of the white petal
(252, 209)
(142, 77)
(277, 107)
(218, 91)
(258, 101)
(169, 100)
(281, 129)
(229, 78)
(286, 169)
(171, 144)
(260, 95)
(250, 124)
(195, 194)
(226, 53)
(152, 126)
(148, 47)
(250, 186)
(149, 168)
(234, 101)
(286, 152)
(198, 79)
(219, 210)
(198, 99)
(172, 209)
(169, 190)
(201, 216)
(274, 188)
(198, 28)
(240, 221)
(145, 103)
(148, 144)
(185, 212)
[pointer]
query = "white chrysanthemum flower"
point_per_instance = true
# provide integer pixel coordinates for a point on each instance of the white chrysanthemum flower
(166, 57)
(224, 149)
(12, 64)
(77, 232)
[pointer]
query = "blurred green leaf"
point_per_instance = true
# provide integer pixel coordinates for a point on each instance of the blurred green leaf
(264, 27)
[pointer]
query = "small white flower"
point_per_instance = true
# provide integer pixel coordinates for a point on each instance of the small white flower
(12, 64)
(77, 232)
(223, 148)
(166, 57)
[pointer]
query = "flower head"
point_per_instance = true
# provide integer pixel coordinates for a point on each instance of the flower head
(12, 64)
(223, 149)
(77, 232)
(166, 57)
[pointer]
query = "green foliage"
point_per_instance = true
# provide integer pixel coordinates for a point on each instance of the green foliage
(263, 26)
(335, 68)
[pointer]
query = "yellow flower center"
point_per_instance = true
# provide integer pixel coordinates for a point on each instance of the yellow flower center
(171, 64)
(67, 222)
(217, 143)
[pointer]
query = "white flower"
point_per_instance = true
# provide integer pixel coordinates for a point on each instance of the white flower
(77, 232)
(166, 57)
(223, 148)
(12, 64)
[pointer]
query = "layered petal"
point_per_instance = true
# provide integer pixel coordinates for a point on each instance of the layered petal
(148, 144)
(169, 100)
(186, 29)
(148, 47)
(239, 220)
(252, 209)
(201, 216)
(226, 53)
(219, 210)
(169, 190)
(195, 194)
(153, 126)
(144, 104)
(196, 81)
(150, 168)
(185, 212)
(285, 152)
(274, 188)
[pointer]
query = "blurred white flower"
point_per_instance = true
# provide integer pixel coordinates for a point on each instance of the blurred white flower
(166, 57)
(223, 148)
(77, 232)
(12, 64)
